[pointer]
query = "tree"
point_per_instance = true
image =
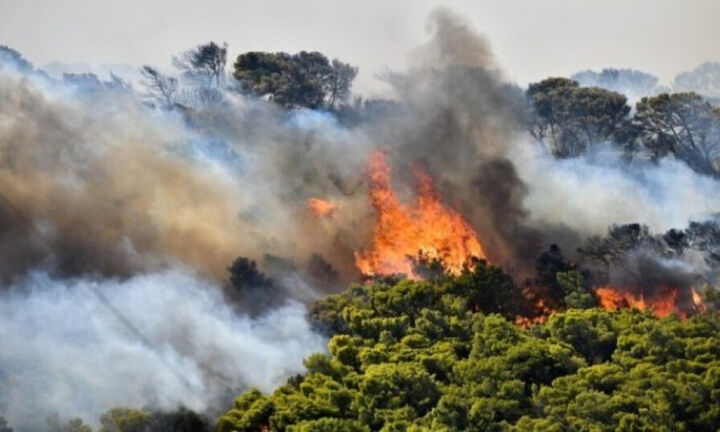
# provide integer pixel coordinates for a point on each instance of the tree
(704, 237)
(250, 287)
(683, 125)
(321, 273)
(632, 83)
(161, 88)
(576, 291)
(178, 420)
(10, 56)
(122, 419)
(204, 64)
(569, 119)
(619, 240)
(4, 425)
(305, 79)
(547, 266)
(338, 84)
(704, 80)
(75, 425)
(487, 288)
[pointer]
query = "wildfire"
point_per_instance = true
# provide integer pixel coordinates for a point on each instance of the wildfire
(663, 303)
(321, 207)
(427, 229)
(697, 300)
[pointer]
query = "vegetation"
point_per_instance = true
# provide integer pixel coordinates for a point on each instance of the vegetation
(625, 81)
(683, 125)
(305, 79)
(569, 119)
(421, 355)
(704, 79)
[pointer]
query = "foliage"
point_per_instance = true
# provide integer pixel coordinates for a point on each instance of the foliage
(249, 287)
(683, 125)
(705, 80)
(576, 292)
(160, 88)
(569, 119)
(4, 425)
(9, 55)
(625, 244)
(121, 419)
(204, 64)
(629, 82)
(306, 79)
(432, 355)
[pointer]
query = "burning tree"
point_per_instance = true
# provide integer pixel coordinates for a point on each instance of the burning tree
(429, 229)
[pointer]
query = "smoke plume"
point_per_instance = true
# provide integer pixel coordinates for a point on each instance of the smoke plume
(80, 346)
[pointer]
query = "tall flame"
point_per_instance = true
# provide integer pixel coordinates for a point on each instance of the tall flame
(427, 229)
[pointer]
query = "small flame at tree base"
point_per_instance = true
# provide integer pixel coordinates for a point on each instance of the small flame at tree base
(427, 230)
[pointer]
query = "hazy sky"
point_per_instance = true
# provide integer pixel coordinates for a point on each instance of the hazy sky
(531, 39)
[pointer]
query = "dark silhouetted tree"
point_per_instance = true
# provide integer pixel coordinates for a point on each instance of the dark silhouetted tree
(338, 84)
(306, 79)
(11, 56)
(4, 425)
(251, 289)
(683, 125)
(569, 119)
(204, 64)
(162, 89)
(321, 272)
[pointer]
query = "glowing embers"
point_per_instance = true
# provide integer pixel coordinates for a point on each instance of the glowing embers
(428, 229)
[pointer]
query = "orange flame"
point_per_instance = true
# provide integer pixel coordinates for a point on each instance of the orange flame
(321, 207)
(662, 304)
(697, 300)
(428, 229)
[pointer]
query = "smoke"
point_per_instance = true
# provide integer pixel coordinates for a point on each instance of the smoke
(101, 185)
(95, 182)
(648, 273)
(590, 193)
(79, 346)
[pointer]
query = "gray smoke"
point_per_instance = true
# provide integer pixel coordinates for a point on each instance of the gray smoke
(80, 346)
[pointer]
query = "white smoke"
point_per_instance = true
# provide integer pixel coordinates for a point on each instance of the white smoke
(81, 346)
(590, 193)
